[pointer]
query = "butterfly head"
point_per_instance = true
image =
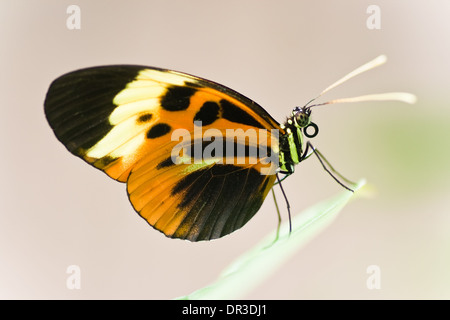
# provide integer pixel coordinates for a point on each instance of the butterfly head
(302, 116)
(302, 119)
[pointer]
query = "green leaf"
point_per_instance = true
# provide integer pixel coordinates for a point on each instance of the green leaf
(254, 266)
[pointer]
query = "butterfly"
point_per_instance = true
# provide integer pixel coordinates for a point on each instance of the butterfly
(185, 146)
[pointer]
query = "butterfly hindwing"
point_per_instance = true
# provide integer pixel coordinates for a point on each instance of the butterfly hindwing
(200, 204)
(121, 119)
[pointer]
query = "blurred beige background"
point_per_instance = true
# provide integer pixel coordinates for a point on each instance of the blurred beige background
(57, 211)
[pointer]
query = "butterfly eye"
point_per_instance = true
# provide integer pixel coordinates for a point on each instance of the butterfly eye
(311, 134)
(302, 118)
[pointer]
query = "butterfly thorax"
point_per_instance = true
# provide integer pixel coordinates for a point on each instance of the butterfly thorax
(291, 141)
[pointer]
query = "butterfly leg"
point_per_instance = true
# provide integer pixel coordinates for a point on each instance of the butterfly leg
(287, 204)
(324, 161)
(278, 210)
(286, 174)
(279, 216)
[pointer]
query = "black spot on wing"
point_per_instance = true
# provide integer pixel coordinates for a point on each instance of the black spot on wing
(144, 118)
(158, 130)
(208, 113)
(234, 114)
(177, 98)
(104, 162)
(165, 163)
(223, 148)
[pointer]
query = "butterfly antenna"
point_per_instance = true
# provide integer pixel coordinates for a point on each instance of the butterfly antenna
(393, 96)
